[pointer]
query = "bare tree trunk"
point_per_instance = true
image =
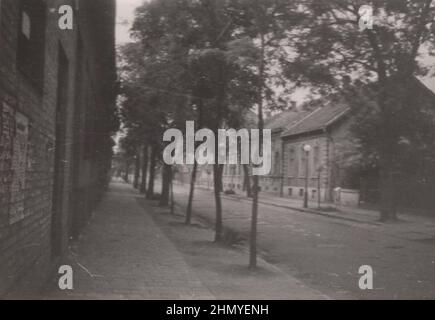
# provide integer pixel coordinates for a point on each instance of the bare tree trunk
(386, 159)
(143, 184)
(254, 218)
(191, 192)
(217, 180)
(166, 182)
(388, 199)
(247, 181)
(150, 191)
(172, 191)
(136, 171)
(127, 171)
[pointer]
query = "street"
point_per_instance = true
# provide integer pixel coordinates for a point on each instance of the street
(135, 249)
(326, 253)
(313, 121)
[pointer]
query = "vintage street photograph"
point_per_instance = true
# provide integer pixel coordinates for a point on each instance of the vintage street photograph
(217, 150)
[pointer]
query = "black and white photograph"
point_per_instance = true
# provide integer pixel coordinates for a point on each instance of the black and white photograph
(241, 151)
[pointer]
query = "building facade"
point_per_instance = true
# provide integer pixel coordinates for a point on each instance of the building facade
(57, 101)
(234, 176)
(322, 130)
(330, 167)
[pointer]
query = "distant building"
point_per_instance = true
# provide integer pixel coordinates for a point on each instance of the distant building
(234, 177)
(325, 125)
(322, 129)
(273, 183)
(57, 100)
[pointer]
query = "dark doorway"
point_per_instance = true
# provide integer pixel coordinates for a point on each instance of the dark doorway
(58, 222)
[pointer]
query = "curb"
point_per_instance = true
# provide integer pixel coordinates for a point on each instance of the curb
(311, 211)
(228, 233)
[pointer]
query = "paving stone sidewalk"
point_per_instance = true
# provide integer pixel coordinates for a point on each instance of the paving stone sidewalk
(124, 255)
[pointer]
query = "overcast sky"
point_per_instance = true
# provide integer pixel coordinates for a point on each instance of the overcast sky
(125, 16)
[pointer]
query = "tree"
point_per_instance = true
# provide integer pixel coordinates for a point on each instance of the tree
(164, 31)
(143, 183)
(128, 152)
(155, 78)
(137, 168)
(153, 163)
(219, 80)
(331, 53)
(263, 24)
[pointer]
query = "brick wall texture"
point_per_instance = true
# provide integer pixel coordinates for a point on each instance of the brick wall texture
(55, 135)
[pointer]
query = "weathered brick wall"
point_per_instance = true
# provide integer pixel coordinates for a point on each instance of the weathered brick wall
(25, 233)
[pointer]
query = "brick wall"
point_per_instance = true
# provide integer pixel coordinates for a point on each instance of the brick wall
(28, 161)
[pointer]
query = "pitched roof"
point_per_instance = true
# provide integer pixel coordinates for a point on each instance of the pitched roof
(334, 110)
(284, 120)
(318, 119)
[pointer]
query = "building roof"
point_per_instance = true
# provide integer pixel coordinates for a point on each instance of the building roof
(331, 112)
(319, 119)
(284, 120)
(429, 83)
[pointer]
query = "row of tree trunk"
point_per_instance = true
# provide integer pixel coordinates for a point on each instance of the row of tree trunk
(144, 177)
(145, 163)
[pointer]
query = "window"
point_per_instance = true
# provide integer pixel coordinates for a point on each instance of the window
(293, 162)
(303, 163)
(316, 161)
(31, 38)
(277, 164)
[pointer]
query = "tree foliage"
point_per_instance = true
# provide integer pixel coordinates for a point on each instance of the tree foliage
(376, 70)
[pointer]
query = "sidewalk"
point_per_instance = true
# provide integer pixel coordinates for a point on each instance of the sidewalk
(124, 255)
(134, 250)
(410, 227)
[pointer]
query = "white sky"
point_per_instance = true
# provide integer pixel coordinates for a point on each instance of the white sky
(125, 16)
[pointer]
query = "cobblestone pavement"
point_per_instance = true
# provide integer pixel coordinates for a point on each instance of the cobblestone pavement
(124, 255)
